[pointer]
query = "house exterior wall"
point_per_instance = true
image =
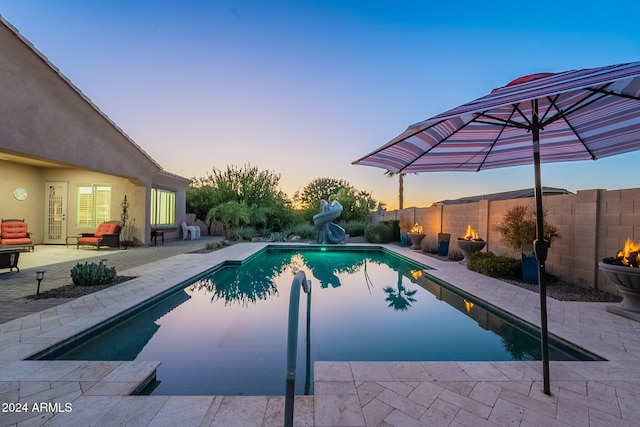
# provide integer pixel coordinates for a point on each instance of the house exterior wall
(592, 225)
(12, 176)
(45, 118)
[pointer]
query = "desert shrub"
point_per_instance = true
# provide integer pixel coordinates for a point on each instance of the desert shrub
(304, 230)
(92, 274)
(395, 228)
(500, 267)
(454, 255)
(518, 227)
(278, 236)
(212, 246)
(244, 233)
(354, 228)
(379, 233)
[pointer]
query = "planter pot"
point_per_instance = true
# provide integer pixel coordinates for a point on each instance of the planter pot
(469, 247)
(404, 240)
(443, 244)
(628, 281)
(529, 268)
(416, 238)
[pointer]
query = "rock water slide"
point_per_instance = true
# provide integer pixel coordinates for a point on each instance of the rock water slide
(328, 232)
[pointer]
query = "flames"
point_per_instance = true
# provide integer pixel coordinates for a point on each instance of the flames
(417, 228)
(471, 234)
(629, 254)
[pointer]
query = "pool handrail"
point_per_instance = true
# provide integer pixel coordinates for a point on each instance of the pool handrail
(299, 281)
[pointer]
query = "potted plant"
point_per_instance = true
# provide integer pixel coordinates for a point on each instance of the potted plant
(518, 229)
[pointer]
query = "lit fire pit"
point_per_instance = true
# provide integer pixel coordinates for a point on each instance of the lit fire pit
(416, 235)
(470, 243)
(624, 271)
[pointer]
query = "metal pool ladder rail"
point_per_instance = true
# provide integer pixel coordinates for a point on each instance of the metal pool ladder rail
(299, 281)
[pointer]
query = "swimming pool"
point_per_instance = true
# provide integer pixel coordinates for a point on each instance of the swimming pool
(225, 333)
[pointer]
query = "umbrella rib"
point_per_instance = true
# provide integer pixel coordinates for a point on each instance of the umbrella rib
(578, 105)
(495, 141)
(564, 117)
(506, 122)
(611, 93)
(433, 146)
(403, 139)
(552, 102)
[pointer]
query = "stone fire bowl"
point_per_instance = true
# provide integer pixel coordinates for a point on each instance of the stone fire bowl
(468, 247)
(628, 281)
(626, 277)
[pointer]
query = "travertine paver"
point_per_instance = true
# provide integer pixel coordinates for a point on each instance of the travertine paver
(346, 393)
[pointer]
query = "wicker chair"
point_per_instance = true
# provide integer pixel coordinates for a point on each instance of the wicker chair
(107, 234)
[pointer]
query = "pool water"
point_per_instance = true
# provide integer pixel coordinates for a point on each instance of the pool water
(226, 333)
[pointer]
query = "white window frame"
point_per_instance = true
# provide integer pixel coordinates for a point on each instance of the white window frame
(163, 207)
(93, 204)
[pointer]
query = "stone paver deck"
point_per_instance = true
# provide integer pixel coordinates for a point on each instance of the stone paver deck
(346, 393)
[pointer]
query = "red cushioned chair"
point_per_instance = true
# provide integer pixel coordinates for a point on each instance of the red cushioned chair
(14, 235)
(107, 234)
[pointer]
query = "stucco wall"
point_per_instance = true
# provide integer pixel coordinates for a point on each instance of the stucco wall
(49, 118)
(12, 176)
(43, 116)
(592, 224)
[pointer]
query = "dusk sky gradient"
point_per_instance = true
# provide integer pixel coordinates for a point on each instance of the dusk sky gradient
(304, 88)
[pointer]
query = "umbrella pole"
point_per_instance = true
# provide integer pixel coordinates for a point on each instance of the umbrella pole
(540, 246)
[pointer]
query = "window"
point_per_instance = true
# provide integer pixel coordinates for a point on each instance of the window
(93, 205)
(163, 207)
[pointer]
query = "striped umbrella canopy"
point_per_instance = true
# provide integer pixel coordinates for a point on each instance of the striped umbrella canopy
(544, 117)
(581, 114)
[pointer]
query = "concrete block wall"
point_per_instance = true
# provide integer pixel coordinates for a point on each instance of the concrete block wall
(592, 224)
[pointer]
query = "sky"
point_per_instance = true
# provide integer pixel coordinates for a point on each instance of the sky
(304, 88)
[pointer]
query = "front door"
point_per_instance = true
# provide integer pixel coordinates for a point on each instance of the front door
(55, 208)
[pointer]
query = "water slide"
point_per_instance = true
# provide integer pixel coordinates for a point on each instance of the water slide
(328, 232)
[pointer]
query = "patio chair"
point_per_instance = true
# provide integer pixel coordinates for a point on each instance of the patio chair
(190, 231)
(107, 234)
(14, 235)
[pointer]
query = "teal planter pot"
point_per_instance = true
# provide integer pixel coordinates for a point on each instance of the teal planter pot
(529, 268)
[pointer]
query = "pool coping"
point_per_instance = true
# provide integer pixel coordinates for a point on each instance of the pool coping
(587, 325)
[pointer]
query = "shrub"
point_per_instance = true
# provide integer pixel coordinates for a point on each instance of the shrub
(92, 274)
(379, 233)
(278, 236)
(500, 267)
(244, 233)
(518, 227)
(212, 246)
(354, 228)
(395, 228)
(304, 230)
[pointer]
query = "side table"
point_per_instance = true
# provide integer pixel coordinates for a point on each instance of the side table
(154, 236)
(66, 242)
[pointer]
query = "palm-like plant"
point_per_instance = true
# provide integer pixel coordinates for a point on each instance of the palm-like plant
(401, 298)
(390, 174)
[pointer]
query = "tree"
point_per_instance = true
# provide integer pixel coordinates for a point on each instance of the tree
(317, 190)
(356, 204)
(230, 214)
(390, 174)
(267, 207)
(199, 200)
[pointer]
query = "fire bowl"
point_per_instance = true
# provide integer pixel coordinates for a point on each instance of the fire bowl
(416, 238)
(628, 281)
(468, 247)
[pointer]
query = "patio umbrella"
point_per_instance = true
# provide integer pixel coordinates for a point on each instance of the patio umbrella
(544, 117)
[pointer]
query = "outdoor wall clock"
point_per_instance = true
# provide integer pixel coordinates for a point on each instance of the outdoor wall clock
(20, 193)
